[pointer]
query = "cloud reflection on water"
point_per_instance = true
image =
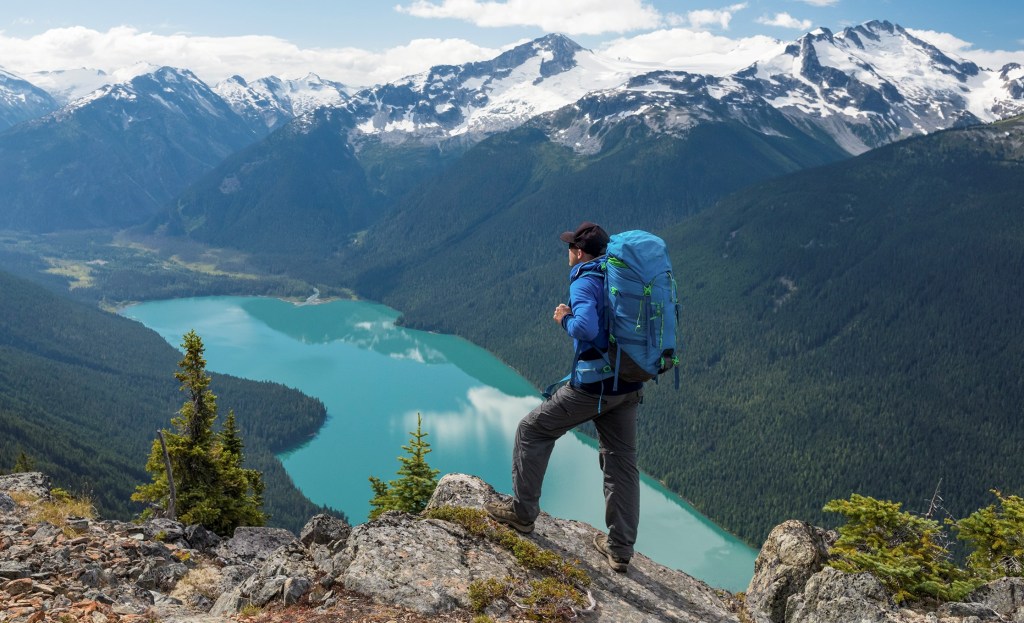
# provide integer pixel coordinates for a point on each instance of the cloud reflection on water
(485, 412)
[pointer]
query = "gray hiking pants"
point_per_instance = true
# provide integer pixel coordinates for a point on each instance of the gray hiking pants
(616, 435)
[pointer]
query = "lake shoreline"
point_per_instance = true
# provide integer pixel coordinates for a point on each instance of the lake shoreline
(340, 354)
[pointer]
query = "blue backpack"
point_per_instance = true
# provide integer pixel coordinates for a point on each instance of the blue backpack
(642, 307)
(641, 311)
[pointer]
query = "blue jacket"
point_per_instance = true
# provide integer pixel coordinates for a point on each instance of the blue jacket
(588, 326)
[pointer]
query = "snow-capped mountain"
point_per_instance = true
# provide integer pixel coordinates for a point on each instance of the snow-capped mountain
(116, 155)
(876, 83)
(20, 100)
(865, 87)
(666, 102)
(270, 102)
(477, 99)
(67, 85)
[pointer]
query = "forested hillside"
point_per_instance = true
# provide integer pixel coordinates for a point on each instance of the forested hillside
(499, 203)
(851, 328)
(83, 392)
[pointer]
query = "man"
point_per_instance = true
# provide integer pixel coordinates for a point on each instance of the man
(589, 395)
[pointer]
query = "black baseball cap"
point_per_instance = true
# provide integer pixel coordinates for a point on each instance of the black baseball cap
(588, 236)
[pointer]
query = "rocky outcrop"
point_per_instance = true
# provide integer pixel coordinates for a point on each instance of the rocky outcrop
(1004, 596)
(34, 483)
(793, 552)
(792, 584)
(428, 565)
(415, 568)
(86, 570)
(831, 595)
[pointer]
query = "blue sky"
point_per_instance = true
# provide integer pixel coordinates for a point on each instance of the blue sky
(372, 41)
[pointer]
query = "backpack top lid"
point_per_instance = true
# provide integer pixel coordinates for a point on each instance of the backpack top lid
(642, 251)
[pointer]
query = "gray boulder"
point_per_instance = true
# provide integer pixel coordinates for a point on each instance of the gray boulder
(199, 538)
(162, 576)
(964, 610)
(421, 565)
(7, 504)
(253, 546)
(1005, 596)
(831, 596)
(14, 570)
(285, 576)
(35, 483)
(164, 530)
(324, 529)
(461, 490)
(793, 552)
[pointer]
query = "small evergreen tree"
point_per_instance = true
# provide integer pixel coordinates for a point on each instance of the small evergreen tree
(212, 487)
(996, 535)
(411, 492)
(243, 488)
(24, 463)
(902, 550)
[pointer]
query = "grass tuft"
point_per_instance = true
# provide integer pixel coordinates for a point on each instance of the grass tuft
(59, 509)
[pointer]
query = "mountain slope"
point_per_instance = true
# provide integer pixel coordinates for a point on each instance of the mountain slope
(83, 393)
(853, 327)
(113, 158)
(500, 203)
(301, 191)
(20, 100)
(268, 103)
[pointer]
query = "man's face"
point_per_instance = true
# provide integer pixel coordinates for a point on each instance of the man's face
(575, 256)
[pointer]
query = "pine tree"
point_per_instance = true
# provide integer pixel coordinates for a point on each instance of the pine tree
(213, 489)
(24, 463)
(243, 488)
(996, 535)
(411, 492)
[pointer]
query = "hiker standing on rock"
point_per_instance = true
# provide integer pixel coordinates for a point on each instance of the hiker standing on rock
(590, 394)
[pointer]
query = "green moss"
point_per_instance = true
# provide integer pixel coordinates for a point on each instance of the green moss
(527, 553)
(551, 598)
(483, 593)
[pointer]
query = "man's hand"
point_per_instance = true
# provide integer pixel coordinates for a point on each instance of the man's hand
(562, 311)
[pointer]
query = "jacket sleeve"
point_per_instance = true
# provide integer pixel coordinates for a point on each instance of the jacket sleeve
(584, 323)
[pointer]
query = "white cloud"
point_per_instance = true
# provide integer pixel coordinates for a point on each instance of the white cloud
(690, 50)
(785, 20)
(216, 58)
(942, 40)
(821, 2)
(573, 17)
(703, 18)
(951, 44)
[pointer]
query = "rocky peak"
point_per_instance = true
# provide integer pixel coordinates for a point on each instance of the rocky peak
(20, 100)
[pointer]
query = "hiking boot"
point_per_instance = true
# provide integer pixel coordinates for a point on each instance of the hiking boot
(503, 512)
(615, 562)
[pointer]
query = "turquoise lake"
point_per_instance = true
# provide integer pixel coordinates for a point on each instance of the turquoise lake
(374, 377)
